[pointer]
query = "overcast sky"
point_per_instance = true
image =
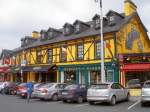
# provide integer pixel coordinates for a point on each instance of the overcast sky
(19, 18)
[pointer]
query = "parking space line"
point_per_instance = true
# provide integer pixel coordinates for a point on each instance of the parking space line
(134, 104)
(82, 105)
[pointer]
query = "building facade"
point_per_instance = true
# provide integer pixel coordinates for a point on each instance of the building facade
(72, 54)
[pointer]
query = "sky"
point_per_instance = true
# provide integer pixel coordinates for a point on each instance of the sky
(18, 18)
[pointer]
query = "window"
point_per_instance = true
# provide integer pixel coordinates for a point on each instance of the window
(63, 54)
(42, 36)
(97, 23)
(39, 56)
(50, 34)
(49, 55)
(77, 27)
(98, 50)
(116, 86)
(111, 18)
(66, 30)
(80, 51)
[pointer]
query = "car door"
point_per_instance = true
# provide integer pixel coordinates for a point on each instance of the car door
(116, 90)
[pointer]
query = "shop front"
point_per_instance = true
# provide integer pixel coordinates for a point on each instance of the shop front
(4, 76)
(41, 73)
(86, 74)
(134, 66)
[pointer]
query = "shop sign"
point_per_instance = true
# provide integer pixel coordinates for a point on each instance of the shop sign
(36, 68)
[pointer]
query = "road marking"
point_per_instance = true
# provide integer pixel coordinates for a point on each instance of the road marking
(134, 104)
(82, 105)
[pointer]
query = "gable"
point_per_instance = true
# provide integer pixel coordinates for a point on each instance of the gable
(133, 38)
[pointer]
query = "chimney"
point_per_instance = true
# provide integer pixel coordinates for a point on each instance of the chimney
(129, 7)
(35, 34)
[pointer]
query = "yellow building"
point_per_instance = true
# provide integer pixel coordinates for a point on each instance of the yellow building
(72, 54)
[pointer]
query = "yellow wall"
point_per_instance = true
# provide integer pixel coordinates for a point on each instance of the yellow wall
(122, 38)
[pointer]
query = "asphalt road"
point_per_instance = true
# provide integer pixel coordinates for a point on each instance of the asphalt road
(16, 104)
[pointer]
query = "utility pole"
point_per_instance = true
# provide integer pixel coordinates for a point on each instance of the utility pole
(103, 78)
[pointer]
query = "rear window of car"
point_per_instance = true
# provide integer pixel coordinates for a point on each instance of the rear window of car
(134, 81)
(100, 86)
(48, 85)
(71, 87)
(22, 84)
(147, 85)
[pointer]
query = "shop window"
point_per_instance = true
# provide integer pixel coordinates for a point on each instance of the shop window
(39, 56)
(49, 55)
(70, 77)
(80, 52)
(63, 54)
(110, 75)
(95, 77)
(97, 50)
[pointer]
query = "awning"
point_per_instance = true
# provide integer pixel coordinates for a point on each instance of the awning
(3, 69)
(39, 68)
(136, 67)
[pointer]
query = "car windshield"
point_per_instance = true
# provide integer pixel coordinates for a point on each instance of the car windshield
(100, 86)
(48, 85)
(71, 87)
(147, 85)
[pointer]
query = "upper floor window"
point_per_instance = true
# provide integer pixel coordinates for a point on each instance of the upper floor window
(39, 56)
(49, 55)
(77, 27)
(97, 50)
(112, 18)
(63, 54)
(80, 52)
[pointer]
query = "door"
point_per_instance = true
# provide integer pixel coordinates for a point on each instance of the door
(118, 91)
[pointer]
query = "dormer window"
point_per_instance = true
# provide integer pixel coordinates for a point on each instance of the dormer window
(112, 18)
(68, 29)
(77, 28)
(96, 20)
(80, 26)
(42, 35)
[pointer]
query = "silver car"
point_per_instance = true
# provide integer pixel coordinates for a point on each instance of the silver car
(145, 95)
(107, 92)
(49, 91)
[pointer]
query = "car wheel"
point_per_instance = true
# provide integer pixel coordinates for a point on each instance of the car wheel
(142, 104)
(64, 101)
(80, 99)
(55, 97)
(113, 100)
(91, 102)
(128, 97)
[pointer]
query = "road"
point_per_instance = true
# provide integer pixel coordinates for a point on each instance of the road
(16, 104)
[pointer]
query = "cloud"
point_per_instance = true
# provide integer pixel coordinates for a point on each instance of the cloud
(20, 17)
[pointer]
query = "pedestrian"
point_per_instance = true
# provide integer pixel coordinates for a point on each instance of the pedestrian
(29, 90)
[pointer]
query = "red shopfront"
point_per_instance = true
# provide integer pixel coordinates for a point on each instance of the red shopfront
(4, 76)
(135, 66)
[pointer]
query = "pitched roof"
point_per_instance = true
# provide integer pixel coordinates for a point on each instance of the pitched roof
(91, 31)
(5, 52)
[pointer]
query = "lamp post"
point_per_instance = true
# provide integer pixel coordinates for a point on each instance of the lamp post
(102, 42)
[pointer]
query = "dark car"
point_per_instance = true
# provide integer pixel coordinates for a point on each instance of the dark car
(134, 84)
(74, 93)
(9, 88)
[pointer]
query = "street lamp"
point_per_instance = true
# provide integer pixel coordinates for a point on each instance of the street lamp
(102, 42)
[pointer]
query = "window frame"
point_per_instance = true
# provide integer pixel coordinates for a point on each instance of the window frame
(96, 53)
(48, 55)
(63, 55)
(77, 52)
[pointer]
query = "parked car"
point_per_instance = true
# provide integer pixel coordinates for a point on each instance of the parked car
(1, 86)
(8, 88)
(134, 84)
(107, 92)
(22, 90)
(75, 93)
(49, 91)
(145, 95)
